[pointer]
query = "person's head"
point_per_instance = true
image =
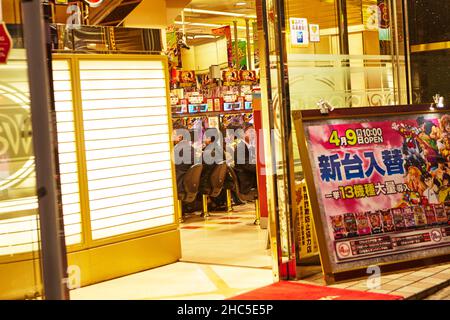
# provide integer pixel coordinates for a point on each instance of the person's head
(180, 134)
(446, 180)
(413, 173)
(427, 179)
(441, 162)
(445, 123)
(420, 121)
(428, 127)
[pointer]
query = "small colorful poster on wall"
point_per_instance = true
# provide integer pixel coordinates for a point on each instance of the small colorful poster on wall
(247, 77)
(230, 77)
(314, 33)
(299, 31)
(5, 43)
(187, 79)
(383, 187)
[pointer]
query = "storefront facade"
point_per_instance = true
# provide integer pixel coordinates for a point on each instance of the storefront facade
(347, 54)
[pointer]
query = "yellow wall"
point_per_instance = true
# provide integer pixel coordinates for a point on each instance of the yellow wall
(148, 14)
(201, 57)
(11, 11)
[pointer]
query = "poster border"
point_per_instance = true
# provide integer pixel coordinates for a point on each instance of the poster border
(311, 116)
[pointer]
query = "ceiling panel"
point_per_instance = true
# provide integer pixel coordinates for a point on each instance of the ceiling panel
(322, 12)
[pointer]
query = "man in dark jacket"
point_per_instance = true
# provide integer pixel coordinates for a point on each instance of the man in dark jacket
(245, 161)
(184, 158)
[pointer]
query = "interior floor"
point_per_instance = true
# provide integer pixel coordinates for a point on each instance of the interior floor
(226, 239)
(222, 256)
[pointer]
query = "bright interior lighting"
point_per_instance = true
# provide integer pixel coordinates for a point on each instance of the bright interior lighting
(127, 145)
(67, 147)
(222, 13)
(198, 24)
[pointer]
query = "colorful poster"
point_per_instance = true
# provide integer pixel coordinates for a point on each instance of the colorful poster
(247, 77)
(230, 77)
(383, 187)
(299, 31)
(187, 79)
(314, 32)
(241, 55)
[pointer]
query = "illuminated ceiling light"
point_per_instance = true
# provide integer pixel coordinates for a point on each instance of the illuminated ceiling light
(204, 36)
(241, 3)
(197, 24)
(220, 13)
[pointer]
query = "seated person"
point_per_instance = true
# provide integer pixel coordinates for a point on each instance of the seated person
(184, 157)
(245, 160)
(212, 154)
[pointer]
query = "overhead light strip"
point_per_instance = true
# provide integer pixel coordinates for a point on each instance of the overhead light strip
(198, 24)
(220, 13)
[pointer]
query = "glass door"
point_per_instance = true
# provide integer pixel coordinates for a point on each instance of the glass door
(348, 53)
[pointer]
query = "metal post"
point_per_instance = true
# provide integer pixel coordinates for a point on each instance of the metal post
(236, 46)
(205, 206)
(341, 8)
(229, 206)
(258, 213)
(180, 211)
(407, 53)
(249, 48)
(1, 11)
(52, 246)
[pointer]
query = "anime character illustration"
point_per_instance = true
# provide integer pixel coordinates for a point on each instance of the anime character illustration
(429, 132)
(444, 190)
(375, 222)
(427, 139)
(350, 225)
(419, 216)
(440, 170)
(362, 223)
(399, 221)
(411, 148)
(408, 215)
(444, 127)
(415, 186)
(337, 223)
(445, 148)
(388, 220)
(431, 192)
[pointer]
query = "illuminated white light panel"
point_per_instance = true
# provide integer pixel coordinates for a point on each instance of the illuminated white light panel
(18, 209)
(127, 146)
(67, 149)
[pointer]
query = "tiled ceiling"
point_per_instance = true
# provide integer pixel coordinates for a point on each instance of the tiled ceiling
(322, 12)
(224, 6)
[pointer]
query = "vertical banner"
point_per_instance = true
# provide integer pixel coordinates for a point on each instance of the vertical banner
(255, 45)
(382, 185)
(226, 31)
(242, 53)
(306, 234)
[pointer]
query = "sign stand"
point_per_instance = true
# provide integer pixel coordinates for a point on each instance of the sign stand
(5, 42)
(370, 208)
